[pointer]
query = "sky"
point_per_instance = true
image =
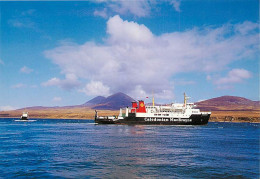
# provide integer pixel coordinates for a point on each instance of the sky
(67, 52)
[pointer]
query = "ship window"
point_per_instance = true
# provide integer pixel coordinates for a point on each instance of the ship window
(159, 114)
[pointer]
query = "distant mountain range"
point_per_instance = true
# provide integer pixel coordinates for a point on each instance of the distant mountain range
(119, 100)
(222, 108)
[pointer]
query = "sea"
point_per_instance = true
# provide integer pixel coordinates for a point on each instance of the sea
(51, 148)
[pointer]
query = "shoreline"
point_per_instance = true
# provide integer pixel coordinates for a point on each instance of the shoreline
(84, 113)
(234, 121)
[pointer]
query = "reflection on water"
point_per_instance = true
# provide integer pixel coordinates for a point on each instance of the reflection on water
(67, 148)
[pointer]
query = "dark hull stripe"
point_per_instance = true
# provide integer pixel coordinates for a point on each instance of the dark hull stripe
(131, 120)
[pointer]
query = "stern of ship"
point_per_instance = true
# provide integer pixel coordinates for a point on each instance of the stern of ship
(200, 119)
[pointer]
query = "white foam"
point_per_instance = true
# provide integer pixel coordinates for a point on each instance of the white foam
(19, 120)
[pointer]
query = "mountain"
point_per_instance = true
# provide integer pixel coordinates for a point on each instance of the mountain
(228, 103)
(95, 101)
(113, 102)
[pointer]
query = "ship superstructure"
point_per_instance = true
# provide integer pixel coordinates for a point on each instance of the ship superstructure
(24, 116)
(173, 114)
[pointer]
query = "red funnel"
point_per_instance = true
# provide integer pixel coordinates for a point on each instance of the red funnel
(141, 107)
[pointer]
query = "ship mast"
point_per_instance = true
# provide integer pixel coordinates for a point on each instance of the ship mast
(185, 100)
(153, 100)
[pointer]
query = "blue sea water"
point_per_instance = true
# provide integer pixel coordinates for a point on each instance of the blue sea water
(81, 149)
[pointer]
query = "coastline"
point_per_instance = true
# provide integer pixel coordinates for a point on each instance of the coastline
(250, 120)
(236, 121)
(222, 121)
(85, 113)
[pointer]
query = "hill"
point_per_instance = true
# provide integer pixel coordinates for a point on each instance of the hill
(113, 102)
(95, 101)
(228, 103)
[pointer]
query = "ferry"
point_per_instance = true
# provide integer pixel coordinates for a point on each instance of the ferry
(24, 116)
(173, 114)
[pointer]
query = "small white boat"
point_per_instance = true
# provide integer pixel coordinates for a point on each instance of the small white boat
(24, 116)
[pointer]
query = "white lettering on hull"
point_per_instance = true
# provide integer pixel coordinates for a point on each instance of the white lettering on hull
(170, 119)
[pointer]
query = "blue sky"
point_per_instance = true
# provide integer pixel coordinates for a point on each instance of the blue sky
(66, 52)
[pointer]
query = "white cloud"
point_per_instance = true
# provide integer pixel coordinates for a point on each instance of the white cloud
(26, 69)
(7, 108)
(101, 13)
(68, 83)
(23, 20)
(234, 76)
(19, 85)
(133, 57)
(140, 8)
(176, 4)
(22, 23)
(164, 94)
(246, 27)
(139, 93)
(96, 88)
(124, 32)
(57, 99)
